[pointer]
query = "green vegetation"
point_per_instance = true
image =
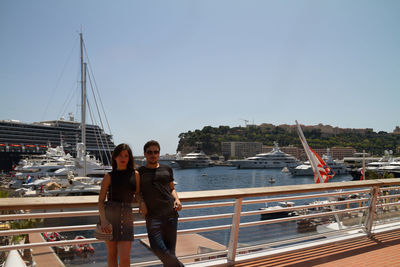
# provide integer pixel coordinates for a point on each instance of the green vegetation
(211, 138)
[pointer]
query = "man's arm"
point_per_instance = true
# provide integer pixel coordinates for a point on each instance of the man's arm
(177, 202)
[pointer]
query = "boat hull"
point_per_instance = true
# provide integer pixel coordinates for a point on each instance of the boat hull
(188, 164)
(246, 164)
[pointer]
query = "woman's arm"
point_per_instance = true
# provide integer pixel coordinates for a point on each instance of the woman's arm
(138, 196)
(177, 202)
(105, 183)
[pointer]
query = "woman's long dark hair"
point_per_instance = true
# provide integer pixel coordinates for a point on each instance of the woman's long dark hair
(117, 151)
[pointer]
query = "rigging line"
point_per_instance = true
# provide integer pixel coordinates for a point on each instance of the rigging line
(101, 122)
(94, 123)
(58, 81)
(94, 80)
(67, 101)
(98, 112)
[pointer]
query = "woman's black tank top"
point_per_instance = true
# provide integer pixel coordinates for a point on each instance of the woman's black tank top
(122, 187)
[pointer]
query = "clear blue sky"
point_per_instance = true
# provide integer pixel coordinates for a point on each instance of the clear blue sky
(167, 67)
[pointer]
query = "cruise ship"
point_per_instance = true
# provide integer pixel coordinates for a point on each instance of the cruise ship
(18, 139)
(273, 159)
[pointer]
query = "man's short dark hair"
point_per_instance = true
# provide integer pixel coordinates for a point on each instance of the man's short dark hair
(151, 143)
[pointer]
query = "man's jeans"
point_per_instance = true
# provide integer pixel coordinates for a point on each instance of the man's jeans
(162, 237)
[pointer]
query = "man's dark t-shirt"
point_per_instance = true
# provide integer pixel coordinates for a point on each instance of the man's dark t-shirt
(154, 186)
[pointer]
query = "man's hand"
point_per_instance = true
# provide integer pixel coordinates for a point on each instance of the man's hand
(177, 205)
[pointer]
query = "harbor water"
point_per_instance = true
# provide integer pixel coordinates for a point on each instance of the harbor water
(212, 178)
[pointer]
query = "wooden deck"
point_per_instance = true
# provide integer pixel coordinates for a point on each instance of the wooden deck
(190, 244)
(382, 249)
(44, 256)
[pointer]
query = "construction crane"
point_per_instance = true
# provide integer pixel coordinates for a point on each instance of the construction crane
(245, 121)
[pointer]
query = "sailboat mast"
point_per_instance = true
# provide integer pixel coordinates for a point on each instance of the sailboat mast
(83, 106)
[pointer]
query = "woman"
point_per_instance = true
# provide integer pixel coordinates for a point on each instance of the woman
(119, 187)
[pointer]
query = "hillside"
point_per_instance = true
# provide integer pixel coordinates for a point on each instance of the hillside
(211, 138)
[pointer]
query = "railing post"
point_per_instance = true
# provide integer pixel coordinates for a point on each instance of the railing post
(369, 220)
(233, 240)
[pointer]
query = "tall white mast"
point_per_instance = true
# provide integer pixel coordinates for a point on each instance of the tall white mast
(83, 107)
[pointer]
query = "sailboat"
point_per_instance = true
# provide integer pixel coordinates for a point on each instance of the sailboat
(84, 164)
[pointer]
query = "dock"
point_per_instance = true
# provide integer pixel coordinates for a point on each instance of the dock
(191, 244)
(44, 256)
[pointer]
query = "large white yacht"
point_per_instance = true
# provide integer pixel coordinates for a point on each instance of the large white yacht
(43, 165)
(273, 159)
(305, 169)
(196, 159)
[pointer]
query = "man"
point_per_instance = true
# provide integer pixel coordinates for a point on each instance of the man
(159, 195)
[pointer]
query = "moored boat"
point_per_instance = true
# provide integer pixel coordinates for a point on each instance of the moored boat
(273, 159)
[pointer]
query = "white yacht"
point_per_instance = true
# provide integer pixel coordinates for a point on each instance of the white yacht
(273, 159)
(196, 159)
(391, 167)
(43, 165)
(305, 169)
(384, 161)
(94, 168)
(51, 186)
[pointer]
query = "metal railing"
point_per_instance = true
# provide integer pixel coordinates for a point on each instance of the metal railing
(344, 209)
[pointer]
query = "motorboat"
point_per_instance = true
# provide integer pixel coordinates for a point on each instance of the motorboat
(43, 165)
(275, 212)
(305, 169)
(386, 164)
(273, 159)
(94, 168)
(56, 186)
(196, 159)
(392, 167)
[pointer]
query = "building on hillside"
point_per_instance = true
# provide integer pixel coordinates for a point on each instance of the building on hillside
(240, 149)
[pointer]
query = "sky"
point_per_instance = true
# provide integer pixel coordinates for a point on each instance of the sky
(167, 67)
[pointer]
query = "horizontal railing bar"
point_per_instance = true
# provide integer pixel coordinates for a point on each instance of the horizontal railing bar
(59, 214)
(209, 205)
(56, 229)
(390, 188)
(206, 217)
(302, 207)
(389, 196)
(146, 263)
(308, 216)
(282, 199)
(44, 215)
(48, 229)
(204, 255)
(50, 244)
(204, 229)
(387, 204)
(59, 243)
(297, 239)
